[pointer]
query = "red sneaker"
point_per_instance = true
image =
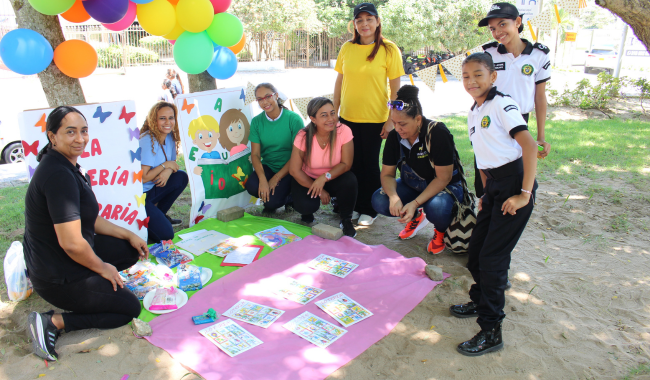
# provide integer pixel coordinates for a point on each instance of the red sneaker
(437, 244)
(415, 225)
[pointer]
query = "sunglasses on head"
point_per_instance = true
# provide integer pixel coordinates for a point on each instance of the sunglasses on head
(398, 105)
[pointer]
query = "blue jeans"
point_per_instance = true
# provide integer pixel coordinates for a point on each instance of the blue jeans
(437, 209)
(281, 194)
(159, 201)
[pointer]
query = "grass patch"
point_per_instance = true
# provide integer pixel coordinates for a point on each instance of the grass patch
(620, 223)
(12, 221)
(641, 369)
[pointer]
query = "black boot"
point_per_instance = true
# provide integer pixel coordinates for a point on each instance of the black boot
(483, 342)
(465, 310)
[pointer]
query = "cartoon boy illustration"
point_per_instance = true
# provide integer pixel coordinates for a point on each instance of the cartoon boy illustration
(233, 131)
(204, 132)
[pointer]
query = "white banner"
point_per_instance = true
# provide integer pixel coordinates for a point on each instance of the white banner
(214, 128)
(111, 159)
(528, 8)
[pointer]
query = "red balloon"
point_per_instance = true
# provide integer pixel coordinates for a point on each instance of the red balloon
(220, 5)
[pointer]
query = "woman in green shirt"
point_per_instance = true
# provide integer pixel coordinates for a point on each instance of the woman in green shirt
(271, 137)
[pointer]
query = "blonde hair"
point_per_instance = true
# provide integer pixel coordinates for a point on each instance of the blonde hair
(150, 125)
(205, 122)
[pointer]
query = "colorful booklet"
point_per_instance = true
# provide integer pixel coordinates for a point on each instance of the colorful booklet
(199, 243)
(230, 337)
(242, 256)
(332, 265)
(277, 237)
(344, 309)
(314, 329)
(228, 245)
(254, 313)
(294, 291)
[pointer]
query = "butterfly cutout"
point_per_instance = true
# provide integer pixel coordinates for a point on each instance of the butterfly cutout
(41, 123)
(134, 134)
(187, 107)
(127, 116)
(30, 148)
(137, 155)
(201, 207)
(102, 116)
(31, 171)
(240, 173)
(143, 223)
(242, 96)
(198, 219)
(137, 176)
(141, 199)
(206, 208)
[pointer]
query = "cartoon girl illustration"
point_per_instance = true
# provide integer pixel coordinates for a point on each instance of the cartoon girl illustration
(234, 129)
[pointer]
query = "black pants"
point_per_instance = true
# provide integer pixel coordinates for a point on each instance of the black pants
(280, 196)
(492, 242)
(367, 144)
(91, 302)
(343, 187)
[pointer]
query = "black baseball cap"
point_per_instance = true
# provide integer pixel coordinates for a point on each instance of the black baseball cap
(365, 7)
(500, 10)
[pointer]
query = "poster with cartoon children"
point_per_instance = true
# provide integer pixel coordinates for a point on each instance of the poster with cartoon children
(214, 128)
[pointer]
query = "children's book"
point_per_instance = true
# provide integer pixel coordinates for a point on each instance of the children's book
(242, 256)
(314, 329)
(199, 243)
(344, 309)
(277, 237)
(254, 313)
(332, 265)
(230, 337)
(294, 291)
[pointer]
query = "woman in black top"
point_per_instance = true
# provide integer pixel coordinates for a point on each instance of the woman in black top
(70, 266)
(418, 196)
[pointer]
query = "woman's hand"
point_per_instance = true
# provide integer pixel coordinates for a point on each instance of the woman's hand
(514, 203)
(407, 212)
(263, 191)
(273, 183)
(139, 245)
(325, 197)
(388, 126)
(395, 205)
(162, 178)
(317, 187)
(480, 204)
(547, 149)
(110, 273)
(172, 165)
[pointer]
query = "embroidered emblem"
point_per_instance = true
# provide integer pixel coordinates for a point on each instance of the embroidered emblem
(494, 8)
(527, 70)
(485, 122)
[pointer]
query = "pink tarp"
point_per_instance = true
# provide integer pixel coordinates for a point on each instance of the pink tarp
(386, 283)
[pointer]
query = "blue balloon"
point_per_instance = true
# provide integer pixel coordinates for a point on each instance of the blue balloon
(224, 63)
(141, 1)
(25, 51)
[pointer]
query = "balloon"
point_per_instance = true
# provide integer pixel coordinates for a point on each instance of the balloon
(125, 22)
(77, 13)
(172, 42)
(51, 7)
(224, 63)
(157, 17)
(75, 58)
(193, 52)
(175, 33)
(226, 29)
(174, 2)
(240, 45)
(106, 11)
(220, 5)
(141, 1)
(25, 51)
(194, 15)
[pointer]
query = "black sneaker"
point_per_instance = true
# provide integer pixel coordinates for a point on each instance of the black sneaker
(43, 334)
(308, 220)
(465, 310)
(483, 342)
(174, 222)
(348, 228)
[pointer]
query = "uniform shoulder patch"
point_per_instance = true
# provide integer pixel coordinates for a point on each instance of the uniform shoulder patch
(541, 47)
(510, 107)
(492, 44)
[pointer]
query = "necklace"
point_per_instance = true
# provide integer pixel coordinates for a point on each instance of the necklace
(322, 145)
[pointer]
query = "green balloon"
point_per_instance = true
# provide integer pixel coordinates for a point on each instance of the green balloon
(225, 30)
(51, 7)
(193, 52)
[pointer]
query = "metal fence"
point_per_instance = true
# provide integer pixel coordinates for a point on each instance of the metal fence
(305, 49)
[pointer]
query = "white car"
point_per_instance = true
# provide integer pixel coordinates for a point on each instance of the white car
(11, 147)
(601, 58)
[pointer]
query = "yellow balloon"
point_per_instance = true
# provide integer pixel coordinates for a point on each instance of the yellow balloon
(194, 15)
(178, 30)
(157, 17)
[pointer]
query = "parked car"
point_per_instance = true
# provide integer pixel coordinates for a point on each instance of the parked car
(11, 147)
(601, 58)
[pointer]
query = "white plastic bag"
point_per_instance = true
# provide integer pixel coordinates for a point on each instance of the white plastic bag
(19, 286)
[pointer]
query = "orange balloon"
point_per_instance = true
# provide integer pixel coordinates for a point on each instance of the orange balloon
(174, 2)
(75, 58)
(77, 13)
(240, 45)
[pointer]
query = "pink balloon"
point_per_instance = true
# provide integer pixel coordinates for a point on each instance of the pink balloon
(220, 5)
(126, 21)
(172, 41)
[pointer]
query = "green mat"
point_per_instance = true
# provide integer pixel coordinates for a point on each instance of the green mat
(246, 226)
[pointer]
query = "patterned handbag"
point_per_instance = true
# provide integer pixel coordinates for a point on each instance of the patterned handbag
(462, 225)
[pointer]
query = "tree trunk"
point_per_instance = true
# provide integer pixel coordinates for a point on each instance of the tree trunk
(202, 82)
(59, 88)
(636, 13)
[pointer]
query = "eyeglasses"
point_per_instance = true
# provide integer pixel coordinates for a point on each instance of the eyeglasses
(398, 105)
(267, 97)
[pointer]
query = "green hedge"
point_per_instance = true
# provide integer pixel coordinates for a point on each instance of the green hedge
(155, 43)
(112, 56)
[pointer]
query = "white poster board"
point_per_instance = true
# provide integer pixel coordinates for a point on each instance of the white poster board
(528, 8)
(111, 159)
(214, 127)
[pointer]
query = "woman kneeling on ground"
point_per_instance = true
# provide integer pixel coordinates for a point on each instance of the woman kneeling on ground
(70, 266)
(418, 196)
(272, 135)
(162, 181)
(320, 165)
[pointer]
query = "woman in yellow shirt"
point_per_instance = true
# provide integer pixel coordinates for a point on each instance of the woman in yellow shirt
(364, 65)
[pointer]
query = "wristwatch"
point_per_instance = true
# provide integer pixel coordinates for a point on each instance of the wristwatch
(328, 176)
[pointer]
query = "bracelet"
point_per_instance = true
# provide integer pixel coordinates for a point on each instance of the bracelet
(163, 165)
(527, 192)
(416, 202)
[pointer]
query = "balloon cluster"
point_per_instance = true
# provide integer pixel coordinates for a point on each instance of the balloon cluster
(204, 36)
